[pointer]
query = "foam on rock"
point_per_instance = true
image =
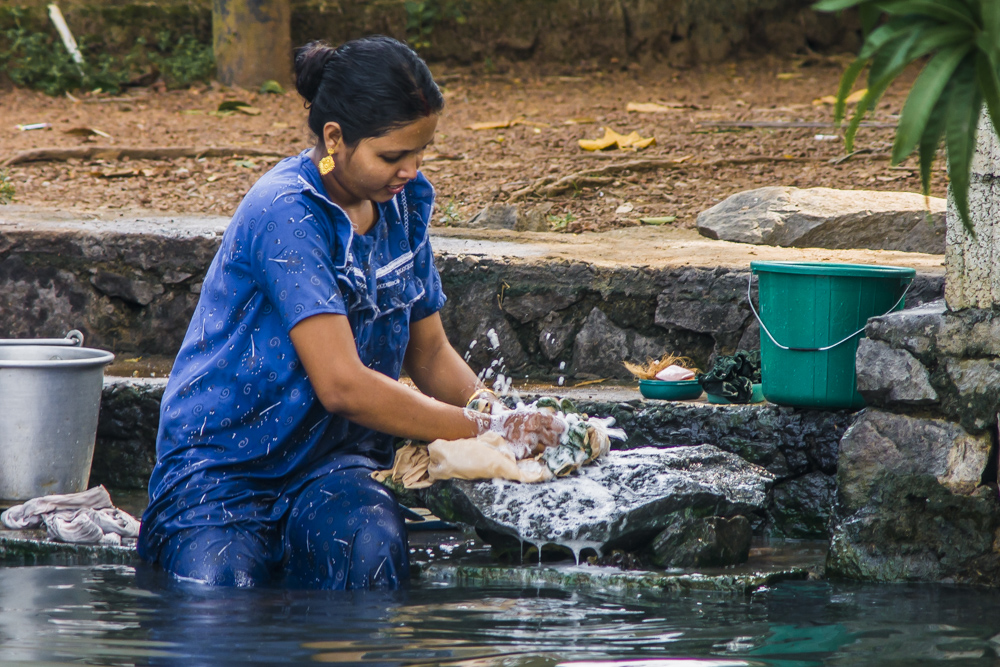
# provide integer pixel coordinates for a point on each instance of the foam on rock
(622, 501)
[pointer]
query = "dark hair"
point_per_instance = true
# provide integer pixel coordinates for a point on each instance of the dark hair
(370, 86)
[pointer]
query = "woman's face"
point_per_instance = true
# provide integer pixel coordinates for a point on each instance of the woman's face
(378, 167)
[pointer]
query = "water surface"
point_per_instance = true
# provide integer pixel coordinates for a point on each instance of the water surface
(119, 615)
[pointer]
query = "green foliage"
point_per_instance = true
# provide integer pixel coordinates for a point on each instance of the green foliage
(450, 214)
(182, 61)
(6, 187)
(423, 15)
(961, 41)
(558, 223)
(36, 59)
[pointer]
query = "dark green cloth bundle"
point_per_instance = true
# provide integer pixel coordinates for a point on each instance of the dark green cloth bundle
(733, 377)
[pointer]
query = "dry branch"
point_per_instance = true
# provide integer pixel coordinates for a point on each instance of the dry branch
(133, 153)
(783, 124)
(601, 175)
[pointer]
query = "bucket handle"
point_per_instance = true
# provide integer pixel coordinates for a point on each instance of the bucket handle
(816, 349)
(73, 339)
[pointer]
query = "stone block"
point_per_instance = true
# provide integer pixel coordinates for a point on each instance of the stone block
(888, 376)
(973, 397)
(510, 216)
(913, 329)
(881, 444)
(601, 346)
(931, 331)
(915, 529)
(803, 507)
(828, 218)
(691, 541)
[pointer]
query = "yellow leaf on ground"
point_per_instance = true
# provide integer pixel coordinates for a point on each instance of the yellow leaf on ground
(648, 107)
(579, 121)
(785, 76)
(249, 111)
(856, 96)
(493, 125)
(611, 139)
(853, 98)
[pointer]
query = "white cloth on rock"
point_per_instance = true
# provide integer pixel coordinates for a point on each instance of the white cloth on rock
(88, 517)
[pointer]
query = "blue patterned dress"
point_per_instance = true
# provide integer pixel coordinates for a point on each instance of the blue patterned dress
(245, 450)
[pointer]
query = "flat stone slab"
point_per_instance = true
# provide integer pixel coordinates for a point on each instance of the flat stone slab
(606, 578)
(620, 502)
(30, 547)
(829, 218)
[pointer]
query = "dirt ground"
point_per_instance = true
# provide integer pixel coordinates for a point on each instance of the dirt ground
(473, 168)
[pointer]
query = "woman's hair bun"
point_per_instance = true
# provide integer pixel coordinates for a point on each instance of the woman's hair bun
(310, 61)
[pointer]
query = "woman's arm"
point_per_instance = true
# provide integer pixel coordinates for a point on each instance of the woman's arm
(434, 365)
(345, 386)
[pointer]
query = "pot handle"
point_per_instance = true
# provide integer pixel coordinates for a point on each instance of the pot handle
(73, 339)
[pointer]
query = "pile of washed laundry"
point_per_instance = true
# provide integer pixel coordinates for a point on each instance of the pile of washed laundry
(88, 517)
(490, 456)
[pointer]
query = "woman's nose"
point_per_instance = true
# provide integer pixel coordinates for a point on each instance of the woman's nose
(408, 169)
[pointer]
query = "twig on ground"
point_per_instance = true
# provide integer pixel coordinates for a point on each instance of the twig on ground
(844, 158)
(133, 153)
(547, 186)
(782, 124)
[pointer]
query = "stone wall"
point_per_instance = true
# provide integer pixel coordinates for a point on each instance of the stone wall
(563, 31)
(131, 287)
(917, 493)
(799, 447)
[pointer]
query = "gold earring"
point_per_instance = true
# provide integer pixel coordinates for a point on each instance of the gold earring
(327, 164)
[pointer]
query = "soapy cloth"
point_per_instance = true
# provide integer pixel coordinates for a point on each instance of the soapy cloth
(490, 456)
(88, 517)
(733, 377)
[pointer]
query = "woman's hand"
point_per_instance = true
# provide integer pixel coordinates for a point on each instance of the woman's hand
(528, 433)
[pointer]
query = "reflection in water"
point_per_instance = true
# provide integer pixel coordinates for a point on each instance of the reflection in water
(118, 615)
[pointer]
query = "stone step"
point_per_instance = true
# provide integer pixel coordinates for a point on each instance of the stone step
(562, 305)
(799, 447)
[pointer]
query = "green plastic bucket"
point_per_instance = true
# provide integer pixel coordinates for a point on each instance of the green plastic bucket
(811, 316)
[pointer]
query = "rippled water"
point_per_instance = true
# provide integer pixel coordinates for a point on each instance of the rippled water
(117, 615)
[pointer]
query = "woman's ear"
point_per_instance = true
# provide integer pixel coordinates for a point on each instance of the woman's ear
(332, 136)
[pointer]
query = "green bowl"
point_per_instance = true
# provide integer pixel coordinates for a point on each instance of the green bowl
(683, 390)
(758, 396)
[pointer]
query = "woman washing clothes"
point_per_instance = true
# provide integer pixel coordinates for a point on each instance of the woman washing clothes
(284, 395)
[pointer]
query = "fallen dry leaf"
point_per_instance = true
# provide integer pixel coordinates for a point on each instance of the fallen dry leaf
(86, 132)
(853, 98)
(611, 139)
(579, 121)
(493, 125)
(115, 173)
(648, 107)
(785, 76)
(659, 220)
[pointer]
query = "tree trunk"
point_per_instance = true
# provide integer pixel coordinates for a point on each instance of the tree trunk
(252, 41)
(973, 265)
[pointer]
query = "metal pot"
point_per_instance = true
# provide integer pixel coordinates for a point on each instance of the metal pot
(50, 397)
